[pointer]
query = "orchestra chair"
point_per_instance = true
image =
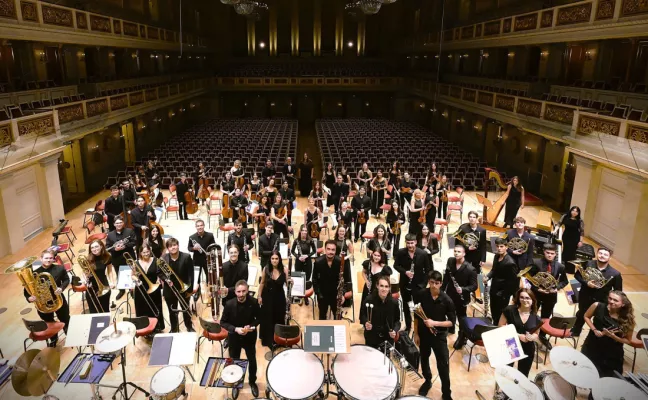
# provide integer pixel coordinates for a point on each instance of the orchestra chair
(173, 208)
(368, 235)
(286, 336)
(558, 327)
(309, 294)
(475, 327)
(65, 248)
(213, 332)
(455, 203)
(67, 231)
(637, 343)
(443, 225)
(173, 193)
(66, 265)
(94, 236)
(226, 228)
(144, 326)
(41, 330)
(214, 213)
(77, 287)
(479, 395)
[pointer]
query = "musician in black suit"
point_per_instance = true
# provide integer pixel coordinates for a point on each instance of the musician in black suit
(129, 193)
(547, 299)
(407, 188)
(113, 206)
(182, 187)
(339, 190)
(241, 317)
(289, 171)
(234, 270)
(128, 242)
(591, 292)
(361, 203)
(238, 202)
(326, 278)
(385, 315)
(241, 240)
(182, 265)
(141, 217)
(268, 172)
(475, 254)
(504, 280)
(522, 259)
(197, 246)
(288, 195)
(267, 244)
(459, 281)
(413, 264)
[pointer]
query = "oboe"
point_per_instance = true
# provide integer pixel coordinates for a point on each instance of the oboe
(456, 285)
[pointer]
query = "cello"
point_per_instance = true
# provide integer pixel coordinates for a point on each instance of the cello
(226, 212)
(203, 190)
(190, 203)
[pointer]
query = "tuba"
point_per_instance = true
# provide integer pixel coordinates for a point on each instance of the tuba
(542, 280)
(467, 239)
(40, 285)
(591, 274)
(517, 243)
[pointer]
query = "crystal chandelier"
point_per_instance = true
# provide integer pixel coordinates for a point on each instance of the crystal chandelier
(230, 2)
(248, 8)
(388, 1)
(367, 7)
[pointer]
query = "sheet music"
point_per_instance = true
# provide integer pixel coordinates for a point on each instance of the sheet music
(340, 338)
(283, 250)
(298, 286)
(125, 279)
(253, 270)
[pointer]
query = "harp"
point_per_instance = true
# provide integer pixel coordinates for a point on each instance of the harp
(492, 210)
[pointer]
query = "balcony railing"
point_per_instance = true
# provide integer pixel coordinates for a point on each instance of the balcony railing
(636, 100)
(41, 124)
(27, 96)
(585, 13)
(243, 83)
(47, 15)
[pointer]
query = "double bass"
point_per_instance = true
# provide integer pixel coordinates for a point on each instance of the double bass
(203, 189)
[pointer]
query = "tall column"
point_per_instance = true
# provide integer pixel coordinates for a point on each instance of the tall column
(585, 188)
(272, 26)
(317, 28)
(11, 234)
(339, 28)
(49, 187)
(362, 25)
(631, 237)
(294, 28)
(251, 36)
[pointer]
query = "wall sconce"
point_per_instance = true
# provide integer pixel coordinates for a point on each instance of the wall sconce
(152, 56)
(465, 55)
(449, 55)
(458, 120)
(245, 104)
(433, 110)
(339, 104)
(272, 104)
(189, 57)
(477, 127)
(111, 55)
(291, 104)
(422, 105)
(408, 57)
(511, 54)
(527, 154)
(350, 44)
(41, 55)
(166, 56)
(485, 55)
(367, 104)
(436, 56)
(544, 53)
(133, 55)
(182, 109)
(262, 45)
(81, 55)
(445, 114)
(192, 106)
(589, 54)
(425, 57)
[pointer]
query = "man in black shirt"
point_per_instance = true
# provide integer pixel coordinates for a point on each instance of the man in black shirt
(181, 264)
(238, 202)
(590, 291)
(432, 334)
(459, 281)
(289, 170)
(141, 217)
(361, 204)
(197, 246)
(129, 193)
(504, 280)
(268, 172)
(413, 264)
(267, 244)
(62, 280)
(241, 240)
(407, 188)
(475, 253)
(240, 318)
(234, 270)
(122, 240)
(326, 278)
(113, 206)
(288, 196)
(384, 313)
(340, 190)
(182, 187)
(547, 299)
(522, 259)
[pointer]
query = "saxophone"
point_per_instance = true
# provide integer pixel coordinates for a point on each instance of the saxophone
(542, 280)
(591, 274)
(40, 285)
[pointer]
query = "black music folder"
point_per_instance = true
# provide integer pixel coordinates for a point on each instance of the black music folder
(97, 325)
(161, 350)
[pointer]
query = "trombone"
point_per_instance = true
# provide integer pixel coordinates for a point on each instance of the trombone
(93, 292)
(170, 273)
(137, 274)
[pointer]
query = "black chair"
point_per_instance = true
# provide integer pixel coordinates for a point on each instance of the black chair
(212, 331)
(286, 336)
(558, 327)
(475, 327)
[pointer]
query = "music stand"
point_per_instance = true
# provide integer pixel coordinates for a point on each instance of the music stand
(84, 329)
(327, 337)
(502, 345)
(174, 349)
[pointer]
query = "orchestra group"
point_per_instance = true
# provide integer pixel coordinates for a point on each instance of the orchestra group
(262, 215)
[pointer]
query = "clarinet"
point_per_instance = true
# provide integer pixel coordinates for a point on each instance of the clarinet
(486, 299)
(246, 256)
(456, 285)
(410, 286)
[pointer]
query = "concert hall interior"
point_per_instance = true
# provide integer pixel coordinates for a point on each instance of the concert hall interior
(379, 199)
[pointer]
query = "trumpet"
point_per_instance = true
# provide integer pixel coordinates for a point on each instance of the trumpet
(542, 280)
(418, 310)
(169, 273)
(100, 289)
(591, 274)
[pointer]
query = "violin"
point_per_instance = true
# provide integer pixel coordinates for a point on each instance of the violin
(362, 216)
(281, 212)
(421, 218)
(242, 216)
(313, 230)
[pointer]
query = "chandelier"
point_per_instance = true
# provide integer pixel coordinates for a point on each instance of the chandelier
(247, 8)
(367, 7)
(230, 2)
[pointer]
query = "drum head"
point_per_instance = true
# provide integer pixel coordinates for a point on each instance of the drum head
(167, 379)
(294, 374)
(364, 374)
(556, 388)
(232, 374)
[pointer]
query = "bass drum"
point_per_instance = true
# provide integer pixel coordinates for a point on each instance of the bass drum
(365, 374)
(554, 387)
(295, 375)
(168, 383)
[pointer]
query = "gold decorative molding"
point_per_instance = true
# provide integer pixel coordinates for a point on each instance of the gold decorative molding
(37, 126)
(605, 9)
(70, 113)
(530, 108)
(638, 133)
(563, 115)
(96, 107)
(505, 103)
(469, 95)
(588, 125)
(57, 16)
(492, 28)
(507, 25)
(117, 26)
(574, 14)
(5, 135)
(150, 95)
(29, 12)
(82, 20)
(8, 9)
(153, 33)
(136, 98)
(526, 22)
(467, 32)
(547, 19)
(634, 7)
(485, 98)
(100, 24)
(479, 30)
(118, 102)
(130, 29)
(455, 91)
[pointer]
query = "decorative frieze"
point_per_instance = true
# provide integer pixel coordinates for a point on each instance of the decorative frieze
(479, 30)
(57, 16)
(640, 134)
(505, 103)
(8, 9)
(507, 25)
(526, 22)
(118, 102)
(96, 107)
(588, 125)
(136, 98)
(130, 29)
(485, 98)
(634, 7)
(153, 33)
(117, 27)
(467, 32)
(574, 14)
(5, 135)
(529, 107)
(29, 12)
(492, 28)
(150, 95)
(37, 126)
(100, 24)
(605, 9)
(70, 113)
(82, 20)
(547, 19)
(563, 115)
(469, 95)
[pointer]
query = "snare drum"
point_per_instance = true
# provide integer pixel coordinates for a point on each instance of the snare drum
(554, 387)
(365, 374)
(168, 383)
(294, 374)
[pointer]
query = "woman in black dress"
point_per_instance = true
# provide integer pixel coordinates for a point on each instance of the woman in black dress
(317, 194)
(394, 182)
(346, 178)
(523, 314)
(428, 242)
(238, 174)
(200, 172)
(156, 242)
(611, 326)
(149, 305)
(572, 231)
(254, 187)
(272, 298)
(372, 269)
(380, 242)
(262, 213)
(303, 249)
(100, 261)
(329, 179)
(432, 204)
(279, 217)
(395, 220)
(416, 208)
(432, 176)
(514, 201)
(312, 215)
(378, 188)
(305, 175)
(271, 191)
(343, 242)
(442, 188)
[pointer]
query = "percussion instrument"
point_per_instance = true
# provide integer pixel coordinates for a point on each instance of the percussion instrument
(616, 389)
(232, 374)
(554, 387)
(168, 383)
(412, 397)
(295, 374)
(365, 374)
(35, 371)
(115, 337)
(574, 367)
(515, 385)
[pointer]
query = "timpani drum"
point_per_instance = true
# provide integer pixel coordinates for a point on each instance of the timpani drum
(554, 387)
(168, 383)
(365, 374)
(295, 375)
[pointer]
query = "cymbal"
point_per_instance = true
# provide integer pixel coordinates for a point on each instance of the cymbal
(17, 266)
(19, 373)
(43, 371)
(574, 367)
(616, 389)
(515, 385)
(110, 341)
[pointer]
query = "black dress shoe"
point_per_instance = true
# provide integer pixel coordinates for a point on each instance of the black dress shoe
(191, 329)
(121, 294)
(235, 393)
(255, 389)
(425, 388)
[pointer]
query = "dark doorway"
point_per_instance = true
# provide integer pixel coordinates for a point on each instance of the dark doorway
(53, 65)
